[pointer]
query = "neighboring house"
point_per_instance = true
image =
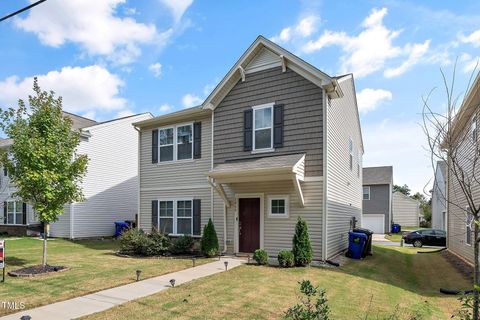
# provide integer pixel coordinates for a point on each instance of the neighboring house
(439, 194)
(276, 140)
(110, 186)
(464, 141)
(377, 198)
(406, 211)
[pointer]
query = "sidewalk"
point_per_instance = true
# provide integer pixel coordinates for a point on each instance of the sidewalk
(106, 299)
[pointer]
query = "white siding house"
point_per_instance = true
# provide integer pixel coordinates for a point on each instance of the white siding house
(439, 194)
(406, 211)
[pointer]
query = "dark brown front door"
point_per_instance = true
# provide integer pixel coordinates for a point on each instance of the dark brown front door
(249, 224)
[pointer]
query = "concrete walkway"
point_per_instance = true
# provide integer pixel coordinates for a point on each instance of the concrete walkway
(106, 299)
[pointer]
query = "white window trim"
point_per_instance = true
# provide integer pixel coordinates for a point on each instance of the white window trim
(287, 206)
(350, 152)
(467, 227)
(174, 224)
(175, 144)
(15, 214)
(254, 129)
(364, 193)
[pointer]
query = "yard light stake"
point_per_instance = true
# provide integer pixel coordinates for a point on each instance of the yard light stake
(172, 282)
(138, 272)
(193, 261)
(226, 265)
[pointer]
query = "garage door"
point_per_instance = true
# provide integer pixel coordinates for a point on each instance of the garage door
(374, 222)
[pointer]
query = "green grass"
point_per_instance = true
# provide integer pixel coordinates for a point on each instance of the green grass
(394, 280)
(93, 267)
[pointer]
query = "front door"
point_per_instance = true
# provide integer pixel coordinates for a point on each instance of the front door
(249, 224)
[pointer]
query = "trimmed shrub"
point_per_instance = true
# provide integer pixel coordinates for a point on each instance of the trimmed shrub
(182, 245)
(260, 256)
(302, 248)
(209, 243)
(137, 242)
(286, 259)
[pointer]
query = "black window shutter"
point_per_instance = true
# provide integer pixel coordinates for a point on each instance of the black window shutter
(197, 217)
(155, 146)
(155, 215)
(278, 126)
(5, 212)
(197, 140)
(247, 130)
(24, 212)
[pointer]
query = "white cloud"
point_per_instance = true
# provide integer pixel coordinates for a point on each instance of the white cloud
(368, 51)
(177, 7)
(399, 144)
(190, 100)
(165, 108)
(94, 26)
(473, 38)
(369, 99)
(305, 27)
(84, 90)
(156, 69)
(470, 63)
(417, 51)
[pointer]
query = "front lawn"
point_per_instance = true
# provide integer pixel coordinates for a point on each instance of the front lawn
(93, 267)
(394, 280)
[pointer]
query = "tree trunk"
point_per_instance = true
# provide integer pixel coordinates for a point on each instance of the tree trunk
(45, 232)
(476, 273)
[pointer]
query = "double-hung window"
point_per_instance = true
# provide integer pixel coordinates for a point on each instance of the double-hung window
(175, 216)
(175, 143)
(263, 127)
(366, 193)
(14, 212)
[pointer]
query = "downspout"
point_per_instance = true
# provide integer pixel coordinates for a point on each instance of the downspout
(325, 174)
(212, 185)
(138, 179)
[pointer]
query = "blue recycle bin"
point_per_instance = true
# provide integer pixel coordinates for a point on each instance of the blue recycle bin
(356, 244)
(119, 227)
(396, 228)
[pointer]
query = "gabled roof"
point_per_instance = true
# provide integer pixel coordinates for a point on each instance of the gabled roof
(285, 59)
(377, 175)
(79, 122)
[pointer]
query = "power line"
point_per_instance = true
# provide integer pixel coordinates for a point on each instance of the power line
(21, 10)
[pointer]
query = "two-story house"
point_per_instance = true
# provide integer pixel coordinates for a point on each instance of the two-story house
(277, 139)
(110, 186)
(377, 198)
(439, 196)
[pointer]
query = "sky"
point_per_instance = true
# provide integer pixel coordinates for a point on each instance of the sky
(113, 58)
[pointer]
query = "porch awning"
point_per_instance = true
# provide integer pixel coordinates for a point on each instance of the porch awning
(270, 168)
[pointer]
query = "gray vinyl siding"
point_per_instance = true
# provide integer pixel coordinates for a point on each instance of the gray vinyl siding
(379, 202)
(278, 232)
(405, 211)
(344, 186)
(303, 116)
(180, 179)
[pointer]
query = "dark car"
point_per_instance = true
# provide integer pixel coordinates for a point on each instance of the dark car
(429, 237)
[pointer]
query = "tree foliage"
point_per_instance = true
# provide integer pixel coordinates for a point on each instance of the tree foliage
(308, 309)
(403, 189)
(42, 161)
(209, 242)
(302, 248)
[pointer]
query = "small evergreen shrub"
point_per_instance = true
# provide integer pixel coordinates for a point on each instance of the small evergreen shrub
(182, 245)
(209, 242)
(286, 259)
(307, 309)
(260, 256)
(302, 248)
(158, 244)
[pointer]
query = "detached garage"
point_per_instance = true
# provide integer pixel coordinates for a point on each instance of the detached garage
(374, 222)
(406, 211)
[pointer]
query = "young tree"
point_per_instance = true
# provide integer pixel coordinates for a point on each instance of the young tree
(457, 145)
(302, 248)
(403, 189)
(42, 161)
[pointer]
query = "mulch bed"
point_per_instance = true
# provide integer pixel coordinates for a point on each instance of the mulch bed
(459, 264)
(38, 270)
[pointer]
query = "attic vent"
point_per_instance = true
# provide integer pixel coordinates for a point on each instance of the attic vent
(264, 59)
